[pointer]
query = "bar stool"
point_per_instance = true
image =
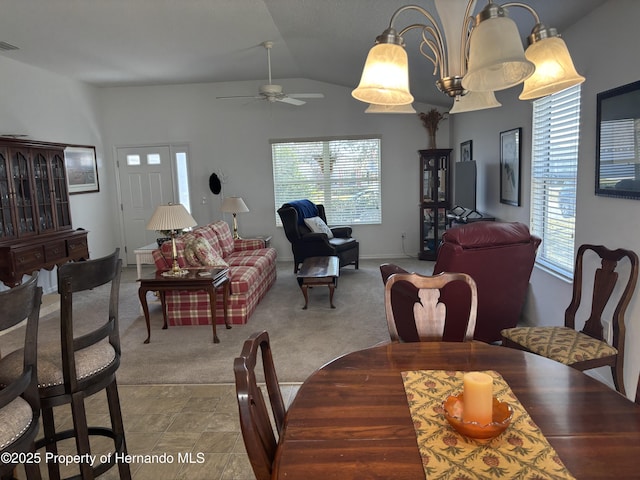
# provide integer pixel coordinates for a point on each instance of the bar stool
(79, 366)
(19, 402)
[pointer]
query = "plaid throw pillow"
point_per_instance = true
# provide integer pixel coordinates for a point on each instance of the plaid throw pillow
(201, 251)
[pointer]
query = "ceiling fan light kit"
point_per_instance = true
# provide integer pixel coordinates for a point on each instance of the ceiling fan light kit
(478, 54)
(274, 93)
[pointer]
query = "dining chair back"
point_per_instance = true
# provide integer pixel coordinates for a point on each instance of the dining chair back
(429, 314)
(588, 348)
(260, 440)
(19, 401)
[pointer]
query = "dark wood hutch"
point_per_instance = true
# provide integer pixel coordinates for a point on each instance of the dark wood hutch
(35, 219)
(435, 194)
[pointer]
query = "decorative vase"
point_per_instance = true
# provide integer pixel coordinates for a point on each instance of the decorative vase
(430, 121)
(432, 140)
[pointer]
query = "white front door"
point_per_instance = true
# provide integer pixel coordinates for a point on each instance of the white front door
(146, 177)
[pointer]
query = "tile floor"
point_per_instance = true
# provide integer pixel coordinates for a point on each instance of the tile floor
(173, 419)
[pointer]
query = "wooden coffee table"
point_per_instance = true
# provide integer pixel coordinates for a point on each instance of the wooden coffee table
(319, 271)
(207, 279)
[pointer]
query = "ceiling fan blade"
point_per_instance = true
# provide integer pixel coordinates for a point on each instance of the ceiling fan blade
(291, 101)
(305, 95)
(238, 96)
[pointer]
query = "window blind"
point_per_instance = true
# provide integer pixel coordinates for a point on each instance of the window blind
(554, 170)
(343, 174)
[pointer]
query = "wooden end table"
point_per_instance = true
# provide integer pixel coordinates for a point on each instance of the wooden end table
(196, 279)
(319, 271)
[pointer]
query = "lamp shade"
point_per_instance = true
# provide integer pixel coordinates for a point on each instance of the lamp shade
(373, 108)
(496, 57)
(234, 205)
(474, 101)
(171, 217)
(385, 77)
(554, 69)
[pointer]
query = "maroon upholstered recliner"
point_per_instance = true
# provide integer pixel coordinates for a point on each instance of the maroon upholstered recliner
(499, 256)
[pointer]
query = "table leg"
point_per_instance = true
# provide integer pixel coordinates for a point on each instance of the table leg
(142, 293)
(332, 288)
(163, 303)
(212, 302)
(225, 302)
(306, 295)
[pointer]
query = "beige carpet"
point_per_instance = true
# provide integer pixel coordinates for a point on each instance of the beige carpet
(302, 340)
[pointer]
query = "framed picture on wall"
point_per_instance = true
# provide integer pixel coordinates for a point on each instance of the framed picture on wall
(82, 169)
(466, 151)
(510, 153)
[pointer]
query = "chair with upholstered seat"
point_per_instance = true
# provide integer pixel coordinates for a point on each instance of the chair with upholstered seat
(19, 402)
(305, 225)
(587, 348)
(429, 314)
(258, 433)
(82, 362)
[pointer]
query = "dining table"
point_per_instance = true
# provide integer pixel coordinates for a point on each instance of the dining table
(353, 417)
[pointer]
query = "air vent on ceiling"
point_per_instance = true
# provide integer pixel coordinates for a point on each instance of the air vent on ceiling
(4, 46)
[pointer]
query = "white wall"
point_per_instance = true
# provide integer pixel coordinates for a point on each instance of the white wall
(49, 107)
(232, 137)
(603, 47)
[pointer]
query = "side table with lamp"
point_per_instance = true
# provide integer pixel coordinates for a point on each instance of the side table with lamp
(234, 205)
(172, 218)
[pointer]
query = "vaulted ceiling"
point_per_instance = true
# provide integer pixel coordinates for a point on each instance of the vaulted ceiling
(151, 42)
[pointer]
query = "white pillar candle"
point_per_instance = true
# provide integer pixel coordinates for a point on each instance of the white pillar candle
(477, 398)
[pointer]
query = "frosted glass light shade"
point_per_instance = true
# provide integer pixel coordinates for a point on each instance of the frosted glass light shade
(373, 108)
(496, 57)
(474, 101)
(385, 77)
(554, 69)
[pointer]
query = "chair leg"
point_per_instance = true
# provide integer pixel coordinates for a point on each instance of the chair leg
(117, 426)
(33, 471)
(81, 431)
(617, 373)
(49, 441)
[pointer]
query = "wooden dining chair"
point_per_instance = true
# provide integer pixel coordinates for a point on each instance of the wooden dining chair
(19, 401)
(587, 348)
(260, 440)
(430, 315)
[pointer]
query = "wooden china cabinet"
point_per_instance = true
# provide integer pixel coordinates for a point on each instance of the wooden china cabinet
(35, 219)
(435, 193)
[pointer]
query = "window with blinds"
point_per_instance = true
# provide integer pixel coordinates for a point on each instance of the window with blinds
(554, 170)
(343, 174)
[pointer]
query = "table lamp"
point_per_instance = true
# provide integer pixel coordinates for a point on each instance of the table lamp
(234, 205)
(172, 217)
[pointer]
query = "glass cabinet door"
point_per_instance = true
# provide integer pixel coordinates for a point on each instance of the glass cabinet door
(434, 202)
(42, 186)
(7, 226)
(60, 191)
(22, 189)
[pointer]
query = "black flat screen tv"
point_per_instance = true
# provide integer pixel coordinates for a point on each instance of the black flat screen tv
(464, 187)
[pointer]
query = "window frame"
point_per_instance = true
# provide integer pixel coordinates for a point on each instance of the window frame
(554, 178)
(339, 186)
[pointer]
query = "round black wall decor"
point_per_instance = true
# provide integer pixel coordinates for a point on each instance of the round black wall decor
(214, 184)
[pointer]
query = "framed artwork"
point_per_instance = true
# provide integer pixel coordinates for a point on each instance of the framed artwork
(466, 151)
(82, 169)
(510, 153)
(617, 155)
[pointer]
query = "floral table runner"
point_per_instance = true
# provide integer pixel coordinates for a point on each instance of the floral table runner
(521, 451)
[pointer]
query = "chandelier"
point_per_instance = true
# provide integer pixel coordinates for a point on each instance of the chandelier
(473, 57)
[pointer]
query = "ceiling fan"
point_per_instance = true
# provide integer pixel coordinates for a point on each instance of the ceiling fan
(273, 93)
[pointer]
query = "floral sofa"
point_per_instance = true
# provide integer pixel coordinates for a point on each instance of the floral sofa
(252, 269)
